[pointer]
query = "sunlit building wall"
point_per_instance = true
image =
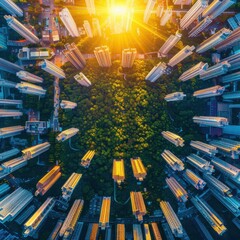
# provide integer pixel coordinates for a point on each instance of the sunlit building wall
(120, 232)
(200, 164)
(9, 102)
(11, 8)
(204, 148)
(209, 215)
(90, 7)
(137, 232)
(166, 16)
(36, 150)
(128, 57)
(8, 153)
(30, 89)
(148, 10)
(118, 172)
(69, 22)
(26, 76)
(10, 113)
(200, 27)
(103, 56)
(231, 95)
(194, 179)
(138, 205)
(160, 10)
(169, 44)
(172, 219)
(176, 96)
(210, 121)
(52, 69)
(67, 104)
(178, 191)
(34, 223)
(182, 2)
(88, 28)
(193, 13)
(194, 71)
(87, 158)
(156, 72)
(9, 67)
(174, 162)
(156, 231)
(215, 70)
(96, 27)
(10, 131)
(3, 42)
(209, 92)
(66, 134)
(230, 77)
(21, 29)
(105, 213)
(82, 80)
(214, 40)
(173, 138)
(182, 54)
(138, 168)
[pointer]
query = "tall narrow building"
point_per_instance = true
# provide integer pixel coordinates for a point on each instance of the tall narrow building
(194, 71)
(156, 72)
(96, 27)
(169, 44)
(214, 40)
(193, 13)
(10, 131)
(82, 80)
(209, 92)
(166, 16)
(52, 69)
(148, 10)
(66, 134)
(138, 205)
(118, 171)
(67, 104)
(200, 27)
(69, 22)
(36, 150)
(29, 77)
(103, 56)
(128, 57)
(176, 96)
(74, 55)
(174, 162)
(209, 121)
(90, 7)
(182, 54)
(10, 113)
(87, 158)
(204, 148)
(105, 213)
(173, 138)
(9, 67)
(138, 168)
(87, 28)
(194, 179)
(31, 89)
(21, 29)
(11, 8)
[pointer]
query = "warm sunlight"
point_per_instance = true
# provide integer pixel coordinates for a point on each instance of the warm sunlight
(118, 10)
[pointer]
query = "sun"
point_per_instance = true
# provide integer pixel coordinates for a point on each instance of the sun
(118, 10)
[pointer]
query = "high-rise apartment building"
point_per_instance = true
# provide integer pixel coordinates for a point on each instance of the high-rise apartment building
(200, 164)
(11, 102)
(9, 67)
(34, 223)
(30, 89)
(46, 182)
(8, 153)
(105, 213)
(11, 7)
(118, 171)
(193, 13)
(26, 76)
(204, 148)
(214, 40)
(87, 28)
(69, 22)
(173, 138)
(194, 71)
(10, 131)
(137, 232)
(217, 185)
(13, 204)
(70, 222)
(74, 56)
(172, 219)
(67, 104)
(166, 16)
(176, 96)
(169, 44)
(200, 27)
(87, 158)
(90, 7)
(36, 150)
(66, 134)
(209, 92)
(160, 10)
(148, 10)
(69, 186)
(231, 41)
(209, 215)
(156, 72)
(103, 56)
(227, 147)
(138, 205)
(174, 162)
(52, 69)
(128, 57)
(182, 2)
(217, 7)
(82, 79)
(194, 179)
(155, 230)
(231, 95)
(96, 27)
(3, 42)
(10, 113)
(21, 29)
(178, 191)
(210, 121)
(215, 70)
(182, 54)
(138, 168)
(120, 232)
(227, 169)
(231, 77)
